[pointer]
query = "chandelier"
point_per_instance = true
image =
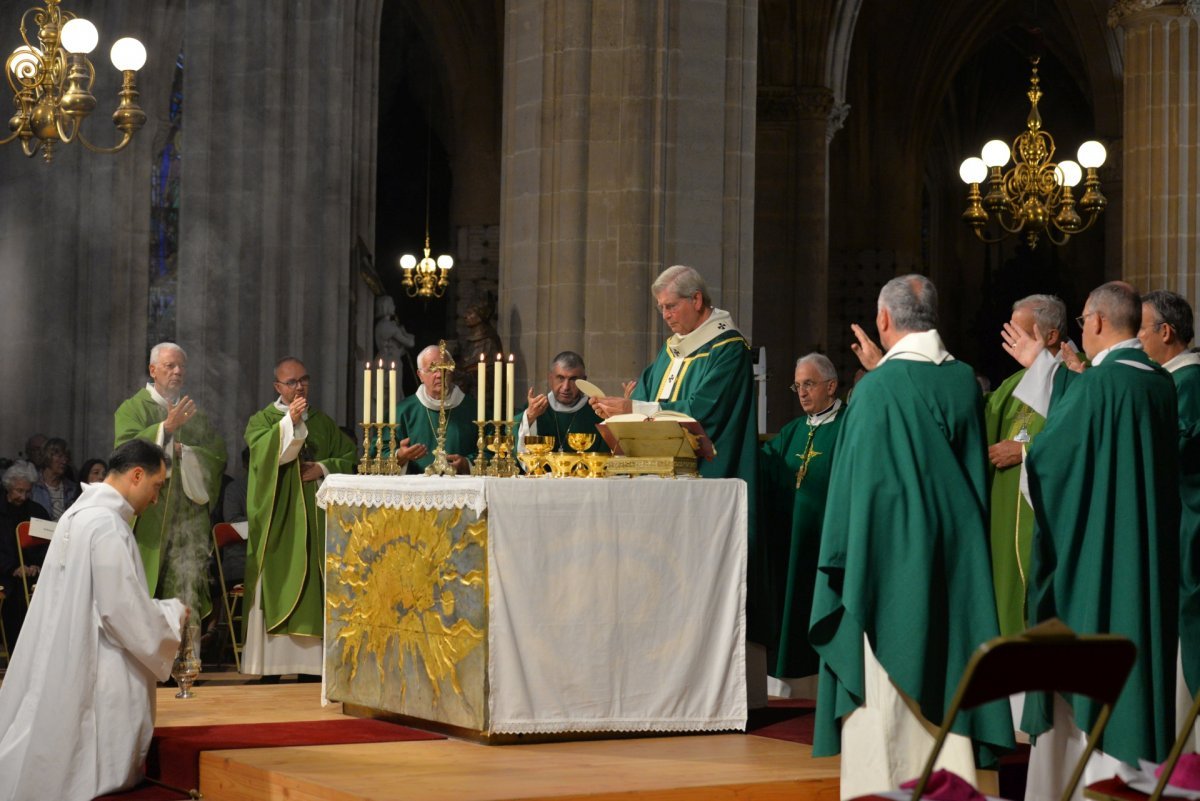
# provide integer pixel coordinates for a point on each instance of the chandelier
(431, 277)
(52, 81)
(1035, 195)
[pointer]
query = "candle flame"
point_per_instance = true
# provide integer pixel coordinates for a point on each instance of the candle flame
(512, 357)
(498, 356)
(393, 365)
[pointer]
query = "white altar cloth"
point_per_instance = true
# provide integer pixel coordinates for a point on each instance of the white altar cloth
(613, 605)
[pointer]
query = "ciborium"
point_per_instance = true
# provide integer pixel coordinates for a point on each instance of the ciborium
(563, 463)
(534, 458)
(596, 464)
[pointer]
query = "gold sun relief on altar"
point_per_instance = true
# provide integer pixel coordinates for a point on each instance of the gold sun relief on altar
(401, 592)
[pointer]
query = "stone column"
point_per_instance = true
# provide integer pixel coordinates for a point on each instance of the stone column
(1161, 145)
(627, 146)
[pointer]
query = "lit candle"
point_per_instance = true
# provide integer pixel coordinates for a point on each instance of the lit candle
(496, 391)
(392, 394)
(367, 393)
(509, 381)
(379, 392)
(481, 390)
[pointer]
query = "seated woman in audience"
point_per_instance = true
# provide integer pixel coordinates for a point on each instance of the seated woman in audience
(54, 491)
(92, 471)
(16, 507)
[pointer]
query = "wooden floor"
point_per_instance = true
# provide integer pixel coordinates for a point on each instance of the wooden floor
(746, 768)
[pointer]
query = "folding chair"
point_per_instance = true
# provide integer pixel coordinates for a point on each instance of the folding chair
(1116, 790)
(1047, 658)
(25, 540)
(224, 534)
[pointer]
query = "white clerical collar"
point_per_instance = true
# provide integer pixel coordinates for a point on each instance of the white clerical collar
(456, 397)
(919, 346)
(719, 322)
(157, 397)
(1185, 359)
(283, 407)
(1125, 343)
(562, 407)
(821, 418)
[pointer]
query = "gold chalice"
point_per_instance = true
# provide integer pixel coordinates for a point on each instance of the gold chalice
(563, 463)
(596, 464)
(580, 441)
(534, 458)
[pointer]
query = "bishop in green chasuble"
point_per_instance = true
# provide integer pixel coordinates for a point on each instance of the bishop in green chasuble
(174, 535)
(793, 472)
(417, 418)
(1104, 485)
(285, 558)
(904, 577)
(561, 411)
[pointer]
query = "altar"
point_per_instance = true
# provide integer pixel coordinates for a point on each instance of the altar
(518, 606)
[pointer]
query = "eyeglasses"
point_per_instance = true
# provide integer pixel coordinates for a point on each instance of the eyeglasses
(807, 386)
(1083, 320)
(292, 383)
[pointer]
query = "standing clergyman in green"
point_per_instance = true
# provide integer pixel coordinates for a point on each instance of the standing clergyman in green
(292, 448)
(1104, 486)
(173, 535)
(904, 585)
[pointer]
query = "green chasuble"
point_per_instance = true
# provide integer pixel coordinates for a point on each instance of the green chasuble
(1012, 519)
(1187, 390)
(791, 510)
(904, 553)
(553, 423)
(287, 530)
(174, 535)
(419, 424)
(1103, 478)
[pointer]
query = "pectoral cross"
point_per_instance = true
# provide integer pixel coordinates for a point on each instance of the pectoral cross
(1023, 435)
(807, 456)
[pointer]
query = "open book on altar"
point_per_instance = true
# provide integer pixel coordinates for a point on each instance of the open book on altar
(665, 434)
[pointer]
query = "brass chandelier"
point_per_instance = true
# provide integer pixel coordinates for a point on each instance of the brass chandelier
(52, 79)
(426, 278)
(1035, 195)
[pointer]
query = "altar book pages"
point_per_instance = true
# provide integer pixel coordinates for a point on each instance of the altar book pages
(665, 433)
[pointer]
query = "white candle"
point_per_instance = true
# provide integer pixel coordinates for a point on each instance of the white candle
(509, 381)
(379, 392)
(496, 391)
(481, 390)
(392, 394)
(367, 393)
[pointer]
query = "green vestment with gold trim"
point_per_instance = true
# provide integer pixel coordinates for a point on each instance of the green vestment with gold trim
(174, 535)
(790, 516)
(1187, 390)
(1012, 518)
(287, 531)
(904, 555)
(419, 424)
(1104, 481)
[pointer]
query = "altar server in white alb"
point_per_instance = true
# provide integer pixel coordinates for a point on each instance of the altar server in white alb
(77, 704)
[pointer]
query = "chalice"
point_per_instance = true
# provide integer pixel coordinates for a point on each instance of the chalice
(596, 464)
(534, 458)
(580, 441)
(563, 463)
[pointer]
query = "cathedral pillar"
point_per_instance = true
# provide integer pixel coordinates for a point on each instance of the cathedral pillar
(627, 146)
(1161, 146)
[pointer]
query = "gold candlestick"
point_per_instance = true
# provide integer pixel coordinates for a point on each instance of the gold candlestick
(480, 466)
(377, 462)
(364, 464)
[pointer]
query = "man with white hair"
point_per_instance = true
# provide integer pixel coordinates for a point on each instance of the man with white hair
(904, 591)
(173, 535)
(417, 418)
(1012, 426)
(793, 480)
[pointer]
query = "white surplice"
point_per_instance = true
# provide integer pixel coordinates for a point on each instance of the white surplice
(77, 704)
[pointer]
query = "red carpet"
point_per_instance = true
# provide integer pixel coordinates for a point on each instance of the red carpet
(174, 756)
(788, 719)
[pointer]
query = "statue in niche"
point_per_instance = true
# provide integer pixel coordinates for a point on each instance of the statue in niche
(482, 338)
(392, 340)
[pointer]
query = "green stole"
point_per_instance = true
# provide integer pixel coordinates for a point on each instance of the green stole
(1103, 478)
(287, 531)
(1187, 390)
(553, 423)
(1012, 518)
(420, 425)
(175, 525)
(904, 554)
(789, 519)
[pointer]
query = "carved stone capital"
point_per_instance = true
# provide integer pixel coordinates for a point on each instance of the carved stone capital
(837, 118)
(1123, 11)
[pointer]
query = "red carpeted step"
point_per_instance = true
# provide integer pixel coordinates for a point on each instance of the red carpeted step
(789, 719)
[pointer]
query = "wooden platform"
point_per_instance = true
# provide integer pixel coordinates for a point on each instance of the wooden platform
(732, 766)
